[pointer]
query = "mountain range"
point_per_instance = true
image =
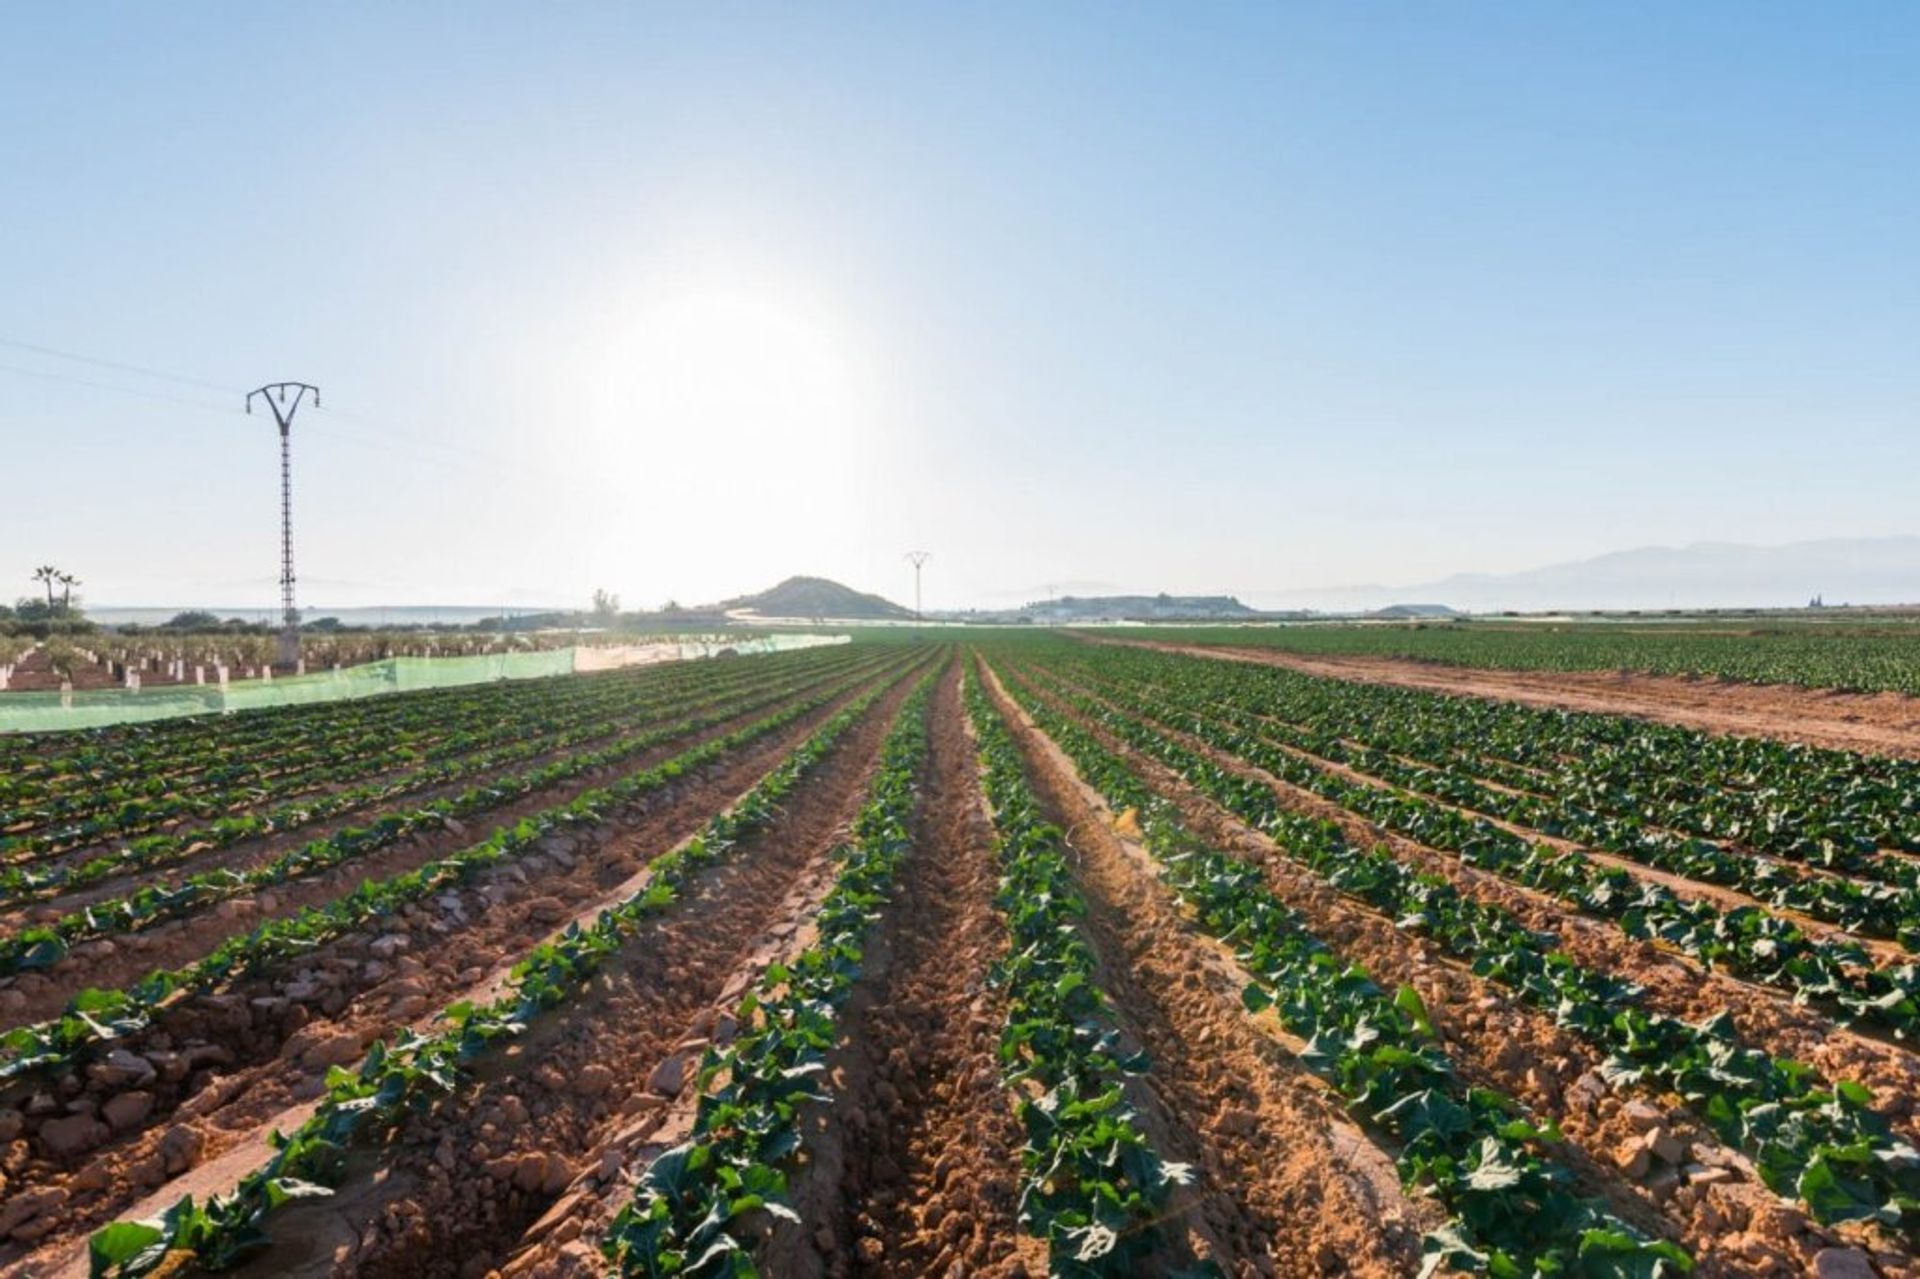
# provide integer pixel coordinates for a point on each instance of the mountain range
(1873, 571)
(1878, 570)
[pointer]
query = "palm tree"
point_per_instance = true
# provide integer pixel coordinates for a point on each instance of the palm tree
(49, 574)
(67, 582)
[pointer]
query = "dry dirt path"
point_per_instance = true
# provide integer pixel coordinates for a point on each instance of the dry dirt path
(916, 1163)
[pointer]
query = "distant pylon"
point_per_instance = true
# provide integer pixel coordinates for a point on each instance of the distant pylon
(917, 558)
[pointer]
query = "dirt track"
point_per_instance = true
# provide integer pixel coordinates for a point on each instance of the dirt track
(929, 1149)
(1879, 723)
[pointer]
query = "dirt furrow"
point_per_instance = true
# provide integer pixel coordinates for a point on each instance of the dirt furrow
(217, 1068)
(564, 1241)
(915, 1165)
(1286, 1185)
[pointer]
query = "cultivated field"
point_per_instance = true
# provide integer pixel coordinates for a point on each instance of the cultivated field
(1852, 656)
(1846, 688)
(1028, 955)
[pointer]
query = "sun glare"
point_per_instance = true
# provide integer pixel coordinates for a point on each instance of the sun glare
(727, 386)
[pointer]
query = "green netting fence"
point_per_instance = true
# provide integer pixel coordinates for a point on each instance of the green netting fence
(96, 708)
(93, 708)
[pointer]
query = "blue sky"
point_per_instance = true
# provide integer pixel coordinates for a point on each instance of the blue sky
(680, 300)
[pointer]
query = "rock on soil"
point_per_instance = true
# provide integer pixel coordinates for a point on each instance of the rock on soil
(181, 1148)
(670, 1076)
(122, 1069)
(72, 1135)
(1842, 1263)
(34, 1203)
(127, 1110)
(327, 1048)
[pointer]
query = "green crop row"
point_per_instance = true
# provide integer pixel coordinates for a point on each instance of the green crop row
(1093, 1187)
(1822, 807)
(1745, 940)
(85, 810)
(530, 741)
(152, 786)
(1395, 752)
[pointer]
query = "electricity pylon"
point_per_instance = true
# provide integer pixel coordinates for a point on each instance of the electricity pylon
(284, 407)
(917, 558)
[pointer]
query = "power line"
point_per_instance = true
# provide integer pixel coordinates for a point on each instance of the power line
(108, 386)
(391, 435)
(99, 362)
(103, 362)
(387, 441)
(474, 457)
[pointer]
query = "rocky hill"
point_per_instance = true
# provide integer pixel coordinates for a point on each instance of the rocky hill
(816, 597)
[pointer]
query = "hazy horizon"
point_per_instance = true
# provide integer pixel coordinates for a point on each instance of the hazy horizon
(1701, 575)
(1252, 301)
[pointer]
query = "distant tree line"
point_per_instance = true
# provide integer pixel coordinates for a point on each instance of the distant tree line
(58, 612)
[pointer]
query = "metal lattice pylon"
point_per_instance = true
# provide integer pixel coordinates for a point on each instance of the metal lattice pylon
(284, 399)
